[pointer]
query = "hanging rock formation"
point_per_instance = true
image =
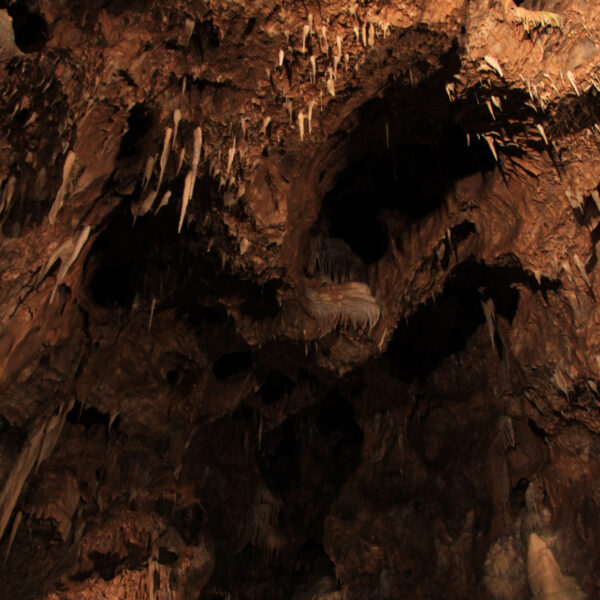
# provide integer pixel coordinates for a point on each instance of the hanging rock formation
(299, 300)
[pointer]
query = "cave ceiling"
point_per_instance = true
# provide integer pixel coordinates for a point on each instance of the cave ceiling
(299, 299)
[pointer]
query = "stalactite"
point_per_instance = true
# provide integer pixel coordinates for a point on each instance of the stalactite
(545, 577)
(60, 196)
(37, 448)
(343, 305)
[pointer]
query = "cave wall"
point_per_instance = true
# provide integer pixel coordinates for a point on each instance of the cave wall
(299, 300)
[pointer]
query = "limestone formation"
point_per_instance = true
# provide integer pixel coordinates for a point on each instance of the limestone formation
(299, 299)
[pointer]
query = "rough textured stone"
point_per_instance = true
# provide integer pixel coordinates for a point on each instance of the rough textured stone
(299, 300)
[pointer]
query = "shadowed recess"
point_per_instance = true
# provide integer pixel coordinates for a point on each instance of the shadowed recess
(30, 26)
(404, 156)
(443, 326)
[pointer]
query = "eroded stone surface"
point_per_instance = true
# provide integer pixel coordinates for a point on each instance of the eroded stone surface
(366, 366)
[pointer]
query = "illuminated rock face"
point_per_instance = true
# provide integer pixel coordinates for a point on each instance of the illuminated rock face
(299, 300)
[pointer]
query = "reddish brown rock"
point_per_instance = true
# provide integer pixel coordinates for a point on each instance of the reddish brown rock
(299, 300)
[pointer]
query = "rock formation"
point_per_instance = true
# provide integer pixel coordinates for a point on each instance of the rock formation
(299, 299)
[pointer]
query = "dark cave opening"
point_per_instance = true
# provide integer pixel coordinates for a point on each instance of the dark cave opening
(105, 564)
(335, 450)
(401, 163)
(144, 266)
(260, 302)
(532, 4)
(517, 494)
(173, 377)
(412, 181)
(166, 557)
(275, 386)
(280, 460)
(536, 429)
(443, 326)
(124, 254)
(232, 364)
(90, 416)
(134, 261)
(205, 36)
(29, 25)
(303, 463)
(139, 122)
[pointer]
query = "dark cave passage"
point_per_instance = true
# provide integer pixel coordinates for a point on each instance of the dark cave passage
(30, 26)
(139, 260)
(139, 122)
(333, 424)
(442, 326)
(409, 181)
(130, 260)
(537, 4)
(403, 156)
(303, 464)
(232, 364)
(275, 387)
